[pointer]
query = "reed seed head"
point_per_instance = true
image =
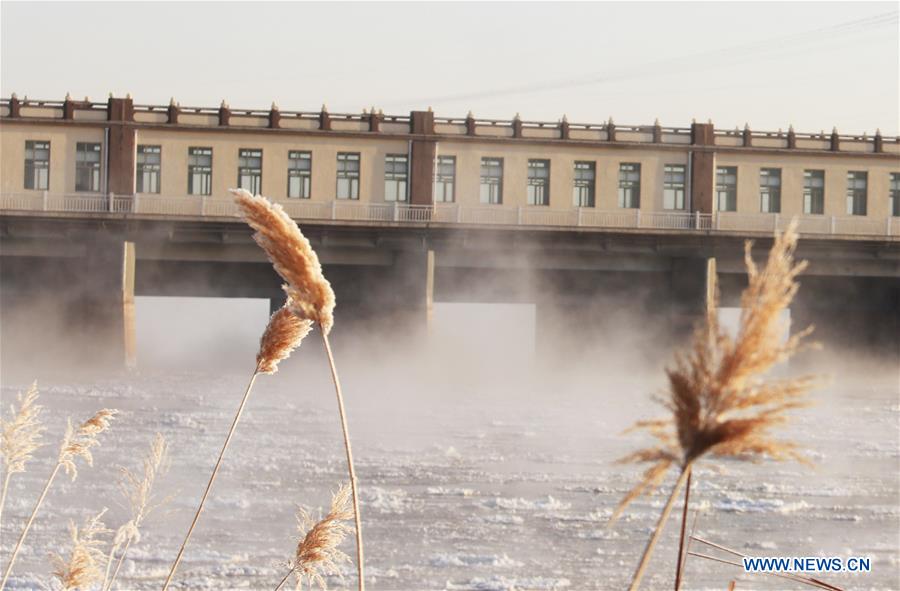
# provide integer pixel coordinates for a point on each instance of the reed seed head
(283, 334)
(720, 399)
(21, 435)
(292, 256)
(78, 442)
(138, 490)
(85, 565)
(317, 554)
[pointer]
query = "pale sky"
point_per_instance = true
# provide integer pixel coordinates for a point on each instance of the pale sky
(816, 65)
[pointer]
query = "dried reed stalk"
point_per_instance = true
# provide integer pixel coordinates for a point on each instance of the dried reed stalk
(312, 299)
(20, 437)
(85, 565)
(138, 492)
(317, 554)
(77, 443)
(720, 400)
(283, 334)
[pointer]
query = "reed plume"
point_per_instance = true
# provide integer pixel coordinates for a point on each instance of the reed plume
(77, 443)
(284, 333)
(84, 566)
(138, 492)
(719, 397)
(317, 554)
(292, 256)
(20, 437)
(311, 298)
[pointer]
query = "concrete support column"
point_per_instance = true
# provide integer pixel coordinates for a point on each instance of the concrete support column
(687, 305)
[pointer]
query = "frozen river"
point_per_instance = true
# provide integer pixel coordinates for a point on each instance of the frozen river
(469, 483)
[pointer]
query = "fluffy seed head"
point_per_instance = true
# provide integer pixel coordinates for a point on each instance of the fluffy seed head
(138, 490)
(21, 435)
(283, 334)
(720, 400)
(85, 566)
(78, 442)
(317, 554)
(292, 257)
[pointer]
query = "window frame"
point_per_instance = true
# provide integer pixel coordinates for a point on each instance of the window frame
(140, 168)
(769, 190)
(813, 195)
(33, 165)
(206, 175)
(853, 194)
(579, 183)
(305, 182)
(94, 168)
(679, 190)
(540, 180)
(894, 194)
(440, 179)
(352, 176)
(493, 184)
(629, 187)
(253, 173)
(728, 190)
(400, 178)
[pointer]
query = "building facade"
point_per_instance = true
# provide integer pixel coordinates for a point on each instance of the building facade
(121, 157)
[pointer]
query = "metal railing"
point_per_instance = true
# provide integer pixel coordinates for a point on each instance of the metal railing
(450, 213)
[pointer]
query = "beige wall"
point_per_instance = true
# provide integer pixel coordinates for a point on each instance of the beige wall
(275, 147)
(275, 150)
(792, 167)
(562, 171)
(62, 154)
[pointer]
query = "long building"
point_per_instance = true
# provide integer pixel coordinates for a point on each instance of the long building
(118, 156)
(588, 222)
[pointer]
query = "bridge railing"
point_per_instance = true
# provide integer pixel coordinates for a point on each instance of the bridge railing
(452, 213)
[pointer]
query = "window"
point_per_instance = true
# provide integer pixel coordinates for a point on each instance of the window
(250, 170)
(583, 189)
(348, 175)
(491, 180)
(894, 195)
(87, 167)
(770, 190)
(148, 166)
(630, 185)
(395, 177)
(538, 182)
(200, 171)
(445, 179)
(726, 188)
(856, 192)
(673, 186)
(299, 175)
(814, 192)
(37, 165)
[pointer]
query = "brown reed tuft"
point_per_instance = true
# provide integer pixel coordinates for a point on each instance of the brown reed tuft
(317, 554)
(292, 257)
(20, 436)
(720, 400)
(283, 334)
(138, 492)
(85, 564)
(77, 443)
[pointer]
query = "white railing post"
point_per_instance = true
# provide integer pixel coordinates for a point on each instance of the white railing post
(697, 220)
(776, 222)
(136, 204)
(112, 199)
(578, 219)
(716, 219)
(396, 212)
(833, 224)
(519, 215)
(46, 200)
(888, 225)
(334, 209)
(203, 205)
(458, 213)
(637, 218)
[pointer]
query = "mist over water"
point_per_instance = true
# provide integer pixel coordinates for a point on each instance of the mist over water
(485, 458)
